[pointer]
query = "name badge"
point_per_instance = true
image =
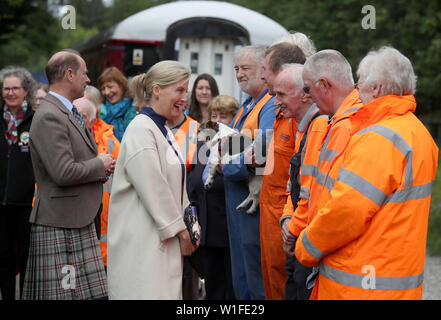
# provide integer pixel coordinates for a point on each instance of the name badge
(24, 141)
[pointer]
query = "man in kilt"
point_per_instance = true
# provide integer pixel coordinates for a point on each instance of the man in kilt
(64, 256)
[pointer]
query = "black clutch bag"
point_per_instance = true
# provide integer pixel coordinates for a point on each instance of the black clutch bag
(192, 224)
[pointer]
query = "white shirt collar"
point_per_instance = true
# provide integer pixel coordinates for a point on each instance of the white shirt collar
(64, 100)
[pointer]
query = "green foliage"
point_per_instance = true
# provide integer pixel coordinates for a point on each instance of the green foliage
(434, 232)
(29, 37)
(29, 34)
(71, 37)
(413, 27)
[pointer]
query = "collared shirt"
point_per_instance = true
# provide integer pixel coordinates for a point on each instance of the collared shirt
(63, 100)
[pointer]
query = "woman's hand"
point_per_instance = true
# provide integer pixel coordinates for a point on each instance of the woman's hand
(187, 248)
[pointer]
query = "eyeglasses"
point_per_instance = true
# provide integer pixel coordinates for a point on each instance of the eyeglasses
(307, 89)
(14, 89)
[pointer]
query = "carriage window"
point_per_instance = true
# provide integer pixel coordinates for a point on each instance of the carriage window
(218, 64)
(194, 61)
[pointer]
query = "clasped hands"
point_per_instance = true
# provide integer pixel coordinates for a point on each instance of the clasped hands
(289, 240)
(109, 163)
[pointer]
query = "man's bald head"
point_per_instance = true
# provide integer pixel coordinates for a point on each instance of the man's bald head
(87, 110)
(61, 61)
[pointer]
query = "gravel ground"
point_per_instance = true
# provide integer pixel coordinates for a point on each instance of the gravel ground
(432, 278)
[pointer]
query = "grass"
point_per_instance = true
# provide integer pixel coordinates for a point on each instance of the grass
(434, 231)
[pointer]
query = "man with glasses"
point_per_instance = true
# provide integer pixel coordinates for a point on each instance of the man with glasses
(327, 78)
(254, 119)
(369, 235)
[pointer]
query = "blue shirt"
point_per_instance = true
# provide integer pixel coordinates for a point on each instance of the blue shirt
(63, 100)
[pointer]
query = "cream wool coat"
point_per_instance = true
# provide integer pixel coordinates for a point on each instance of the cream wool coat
(145, 215)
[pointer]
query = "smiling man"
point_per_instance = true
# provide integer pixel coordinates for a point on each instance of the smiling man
(255, 118)
(369, 235)
(273, 194)
(70, 178)
(295, 103)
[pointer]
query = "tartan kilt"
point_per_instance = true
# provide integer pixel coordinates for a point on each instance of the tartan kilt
(64, 264)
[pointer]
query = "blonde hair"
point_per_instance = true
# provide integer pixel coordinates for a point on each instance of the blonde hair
(135, 85)
(94, 95)
(223, 104)
(163, 74)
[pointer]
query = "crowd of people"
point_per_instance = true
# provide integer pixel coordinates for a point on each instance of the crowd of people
(94, 182)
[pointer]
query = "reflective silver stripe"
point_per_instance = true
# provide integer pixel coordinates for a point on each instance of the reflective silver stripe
(108, 186)
(326, 181)
(188, 136)
(329, 183)
(110, 145)
(361, 185)
(304, 193)
(321, 177)
(381, 283)
(413, 193)
(311, 248)
(328, 155)
(351, 110)
(308, 170)
(400, 144)
(103, 238)
(409, 192)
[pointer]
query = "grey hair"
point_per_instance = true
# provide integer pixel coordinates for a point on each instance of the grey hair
(391, 69)
(256, 53)
(163, 74)
(94, 95)
(301, 40)
(298, 79)
(332, 65)
(28, 83)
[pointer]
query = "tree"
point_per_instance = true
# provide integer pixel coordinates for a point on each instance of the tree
(28, 33)
(413, 27)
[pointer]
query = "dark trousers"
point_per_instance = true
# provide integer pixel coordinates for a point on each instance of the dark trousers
(190, 282)
(14, 247)
(217, 273)
(295, 286)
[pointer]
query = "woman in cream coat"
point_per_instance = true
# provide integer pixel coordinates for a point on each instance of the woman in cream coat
(147, 237)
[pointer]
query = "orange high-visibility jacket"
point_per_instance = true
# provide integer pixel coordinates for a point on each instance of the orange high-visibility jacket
(272, 199)
(186, 131)
(335, 142)
(310, 154)
(106, 143)
(369, 236)
(251, 124)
